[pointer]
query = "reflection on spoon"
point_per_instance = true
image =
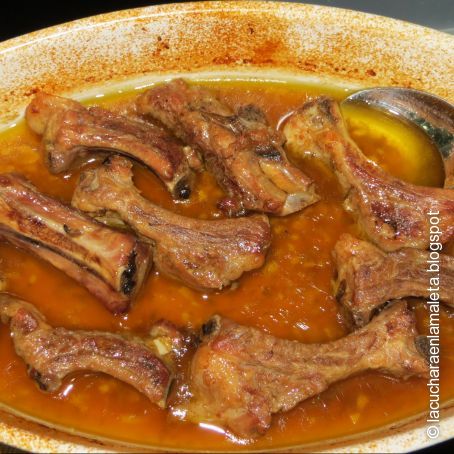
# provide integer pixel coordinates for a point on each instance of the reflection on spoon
(430, 113)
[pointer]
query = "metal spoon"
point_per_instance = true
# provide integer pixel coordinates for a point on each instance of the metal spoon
(433, 115)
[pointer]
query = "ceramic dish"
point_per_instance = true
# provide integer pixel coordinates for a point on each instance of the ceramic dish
(266, 40)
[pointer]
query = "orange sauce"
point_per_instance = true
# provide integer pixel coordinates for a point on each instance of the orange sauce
(290, 297)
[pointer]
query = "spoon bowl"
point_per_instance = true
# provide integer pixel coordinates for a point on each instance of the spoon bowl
(430, 113)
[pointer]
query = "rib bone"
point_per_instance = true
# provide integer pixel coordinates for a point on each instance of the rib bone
(368, 277)
(240, 149)
(202, 254)
(112, 265)
(240, 375)
(53, 353)
(70, 130)
(392, 213)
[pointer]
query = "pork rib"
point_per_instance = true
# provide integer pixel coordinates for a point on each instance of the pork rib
(368, 277)
(112, 265)
(53, 353)
(240, 149)
(70, 130)
(240, 376)
(202, 254)
(392, 213)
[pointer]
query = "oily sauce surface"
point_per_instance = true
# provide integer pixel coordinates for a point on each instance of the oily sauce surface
(290, 297)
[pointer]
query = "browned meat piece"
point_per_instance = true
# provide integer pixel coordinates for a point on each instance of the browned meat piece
(53, 353)
(392, 213)
(240, 149)
(111, 265)
(70, 130)
(368, 277)
(202, 254)
(240, 375)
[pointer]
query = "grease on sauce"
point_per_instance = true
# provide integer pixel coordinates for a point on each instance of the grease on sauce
(290, 297)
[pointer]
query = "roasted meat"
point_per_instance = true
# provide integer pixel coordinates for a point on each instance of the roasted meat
(368, 277)
(112, 265)
(392, 213)
(240, 376)
(202, 254)
(239, 148)
(53, 353)
(70, 130)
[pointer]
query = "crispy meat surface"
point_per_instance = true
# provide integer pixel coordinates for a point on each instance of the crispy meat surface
(70, 130)
(112, 265)
(239, 148)
(53, 353)
(202, 254)
(368, 277)
(240, 376)
(394, 214)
